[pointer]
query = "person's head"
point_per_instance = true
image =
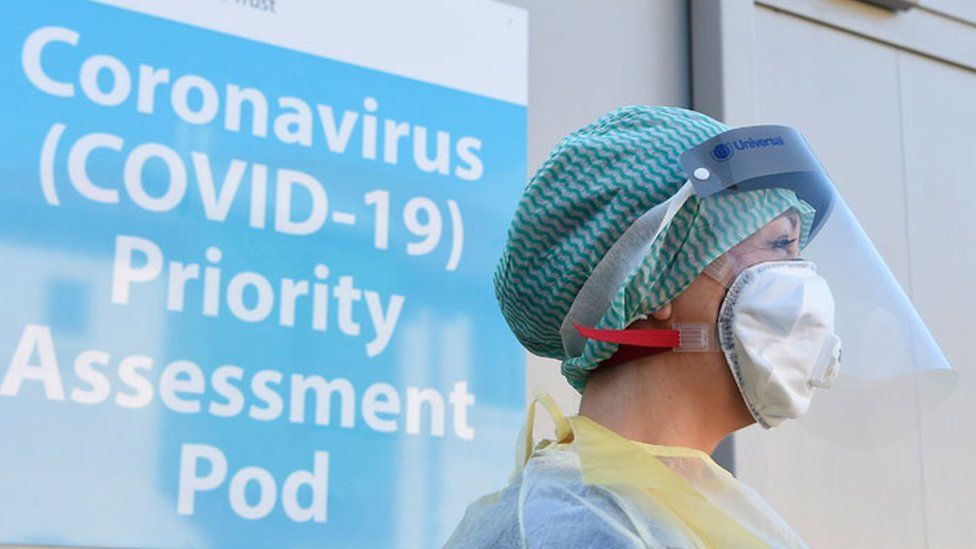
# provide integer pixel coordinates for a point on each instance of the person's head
(609, 232)
(584, 213)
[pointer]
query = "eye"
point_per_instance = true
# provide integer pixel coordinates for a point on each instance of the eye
(784, 243)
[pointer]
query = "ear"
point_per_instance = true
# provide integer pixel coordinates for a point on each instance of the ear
(663, 313)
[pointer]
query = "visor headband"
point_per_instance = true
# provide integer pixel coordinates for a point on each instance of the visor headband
(760, 157)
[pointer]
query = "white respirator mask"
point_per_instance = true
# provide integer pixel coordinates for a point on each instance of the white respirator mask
(776, 329)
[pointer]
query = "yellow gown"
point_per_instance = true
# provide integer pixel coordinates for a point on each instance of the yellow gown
(591, 487)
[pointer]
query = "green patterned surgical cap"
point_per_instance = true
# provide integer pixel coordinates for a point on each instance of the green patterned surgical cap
(593, 185)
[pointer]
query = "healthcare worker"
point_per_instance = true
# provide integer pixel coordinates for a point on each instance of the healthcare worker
(657, 254)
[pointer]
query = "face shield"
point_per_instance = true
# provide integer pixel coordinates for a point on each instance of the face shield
(890, 360)
(890, 365)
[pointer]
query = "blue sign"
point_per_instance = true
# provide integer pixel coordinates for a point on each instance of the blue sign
(246, 290)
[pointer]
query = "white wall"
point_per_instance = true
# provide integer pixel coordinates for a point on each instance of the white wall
(891, 113)
(939, 121)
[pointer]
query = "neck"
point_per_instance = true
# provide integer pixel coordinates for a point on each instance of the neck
(669, 399)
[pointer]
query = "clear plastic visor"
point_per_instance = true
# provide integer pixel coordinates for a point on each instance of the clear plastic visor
(891, 365)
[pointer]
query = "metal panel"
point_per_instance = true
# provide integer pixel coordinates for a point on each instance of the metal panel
(715, 25)
(939, 115)
(891, 127)
(922, 31)
(859, 115)
(964, 10)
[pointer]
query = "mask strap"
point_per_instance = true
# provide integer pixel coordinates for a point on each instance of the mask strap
(636, 338)
(723, 270)
(594, 298)
(684, 337)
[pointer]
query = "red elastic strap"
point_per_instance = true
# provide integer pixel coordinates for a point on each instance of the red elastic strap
(637, 338)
